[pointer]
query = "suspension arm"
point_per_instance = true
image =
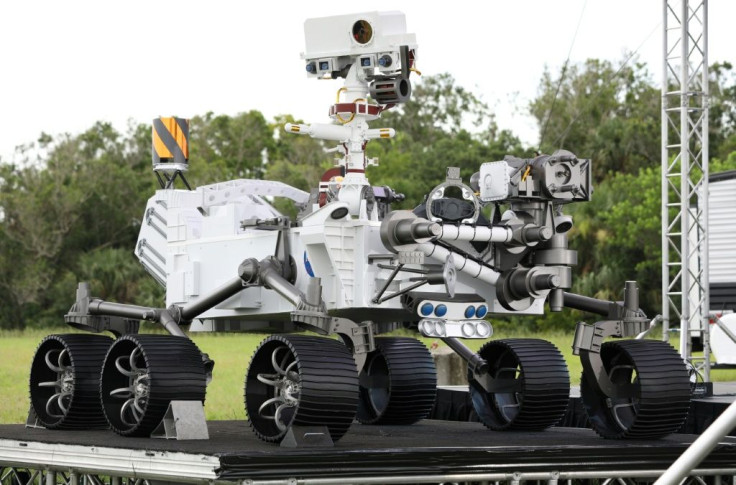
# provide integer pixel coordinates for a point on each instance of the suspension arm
(587, 304)
(612, 310)
(98, 315)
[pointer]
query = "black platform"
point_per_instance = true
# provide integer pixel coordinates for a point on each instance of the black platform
(453, 404)
(428, 447)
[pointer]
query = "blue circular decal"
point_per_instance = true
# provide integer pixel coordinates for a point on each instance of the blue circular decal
(470, 312)
(427, 309)
(441, 310)
(481, 311)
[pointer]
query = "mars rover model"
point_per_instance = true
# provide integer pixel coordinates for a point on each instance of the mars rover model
(350, 267)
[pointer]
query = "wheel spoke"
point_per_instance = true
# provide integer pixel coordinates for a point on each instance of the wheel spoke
(277, 416)
(52, 399)
(51, 366)
(121, 369)
(50, 384)
(285, 360)
(137, 406)
(60, 402)
(268, 379)
(123, 392)
(268, 402)
(133, 357)
(127, 405)
(62, 354)
(136, 393)
(274, 356)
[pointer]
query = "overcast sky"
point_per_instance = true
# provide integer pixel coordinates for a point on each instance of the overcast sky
(67, 64)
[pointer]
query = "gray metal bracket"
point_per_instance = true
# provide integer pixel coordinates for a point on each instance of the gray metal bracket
(32, 420)
(184, 420)
(358, 338)
(79, 316)
(307, 437)
(587, 344)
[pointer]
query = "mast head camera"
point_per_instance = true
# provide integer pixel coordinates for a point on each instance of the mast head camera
(375, 42)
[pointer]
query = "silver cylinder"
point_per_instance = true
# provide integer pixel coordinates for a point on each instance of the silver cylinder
(462, 263)
(475, 233)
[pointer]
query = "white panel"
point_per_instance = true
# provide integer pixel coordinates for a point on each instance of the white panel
(722, 231)
(332, 36)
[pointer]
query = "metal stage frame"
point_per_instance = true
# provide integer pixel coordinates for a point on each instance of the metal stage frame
(428, 452)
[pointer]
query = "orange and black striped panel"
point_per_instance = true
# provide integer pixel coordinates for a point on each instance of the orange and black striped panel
(170, 140)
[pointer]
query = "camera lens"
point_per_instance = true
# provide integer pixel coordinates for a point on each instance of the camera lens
(362, 31)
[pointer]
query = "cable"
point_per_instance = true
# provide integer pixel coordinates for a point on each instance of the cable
(562, 77)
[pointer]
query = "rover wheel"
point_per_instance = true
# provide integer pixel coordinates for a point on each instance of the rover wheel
(300, 380)
(65, 381)
(541, 382)
(142, 374)
(398, 383)
(661, 396)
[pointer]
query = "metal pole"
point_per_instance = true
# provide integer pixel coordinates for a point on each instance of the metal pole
(704, 244)
(475, 361)
(194, 308)
(587, 304)
(700, 448)
(665, 188)
(684, 182)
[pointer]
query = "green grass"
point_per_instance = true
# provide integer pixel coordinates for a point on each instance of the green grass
(231, 353)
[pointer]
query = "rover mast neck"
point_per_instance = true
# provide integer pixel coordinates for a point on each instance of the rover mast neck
(353, 113)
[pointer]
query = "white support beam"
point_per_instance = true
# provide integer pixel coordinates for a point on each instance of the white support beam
(685, 290)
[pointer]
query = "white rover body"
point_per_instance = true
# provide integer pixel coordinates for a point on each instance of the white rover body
(350, 266)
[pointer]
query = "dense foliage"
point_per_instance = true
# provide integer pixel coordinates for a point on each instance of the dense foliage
(70, 205)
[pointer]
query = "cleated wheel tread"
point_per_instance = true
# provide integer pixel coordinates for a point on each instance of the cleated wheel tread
(82, 359)
(544, 379)
(323, 388)
(174, 369)
(662, 399)
(398, 382)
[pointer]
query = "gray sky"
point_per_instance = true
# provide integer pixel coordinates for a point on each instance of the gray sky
(67, 64)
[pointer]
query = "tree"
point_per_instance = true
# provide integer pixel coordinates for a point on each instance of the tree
(443, 125)
(722, 113)
(597, 111)
(80, 194)
(229, 147)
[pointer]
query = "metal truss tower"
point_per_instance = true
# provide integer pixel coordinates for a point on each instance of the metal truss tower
(685, 293)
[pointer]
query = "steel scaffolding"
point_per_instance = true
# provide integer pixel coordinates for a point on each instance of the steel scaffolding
(685, 174)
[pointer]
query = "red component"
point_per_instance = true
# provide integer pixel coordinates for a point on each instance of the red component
(358, 108)
(333, 172)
